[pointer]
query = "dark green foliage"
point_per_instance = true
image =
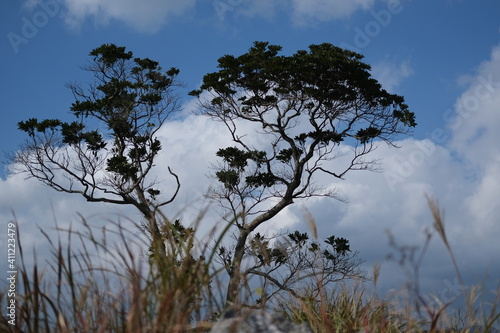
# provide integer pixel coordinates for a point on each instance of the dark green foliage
(288, 265)
(340, 245)
(365, 135)
(406, 117)
(264, 179)
(108, 151)
(299, 238)
(328, 82)
(109, 54)
(28, 126)
(230, 178)
(120, 165)
(32, 125)
(71, 133)
(327, 90)
(237, 160)
(129, 101)
(285, 155)
(153, 193)
(305, 105)
(337, 249)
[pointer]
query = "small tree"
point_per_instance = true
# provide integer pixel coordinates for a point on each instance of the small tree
(108, 152)
(287, 265)
(307, 107)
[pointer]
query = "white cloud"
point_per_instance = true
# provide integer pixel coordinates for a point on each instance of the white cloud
(391, 74)
(483, 204)
(302, 12)
(393, 200)
(263, 8)
(146, 15)
(306, 12)
(475, 136)
(475, 125)
(151, 15)
(375, 204)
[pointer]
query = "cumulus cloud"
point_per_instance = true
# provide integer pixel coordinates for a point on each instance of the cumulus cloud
(391, 201)
(262, 8)
(391, 74)
(483, 203)
(377, 202)
(475, 121)
(306, 12)
(475, 133)
(302, 12)
(145, 16)
(150, 15)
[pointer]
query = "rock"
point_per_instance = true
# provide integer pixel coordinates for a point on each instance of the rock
(258, 322)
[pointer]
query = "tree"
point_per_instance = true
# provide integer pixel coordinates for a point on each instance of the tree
(288, 265)
(306, 107)
(112, 163)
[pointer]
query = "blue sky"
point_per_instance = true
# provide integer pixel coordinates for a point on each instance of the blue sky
(442, 55)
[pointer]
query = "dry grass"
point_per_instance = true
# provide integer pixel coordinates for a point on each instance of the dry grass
(352, 308)
(99, 285)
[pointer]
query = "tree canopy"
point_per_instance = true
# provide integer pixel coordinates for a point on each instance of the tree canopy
(107, 153)
(305, 110)
(304, 106)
